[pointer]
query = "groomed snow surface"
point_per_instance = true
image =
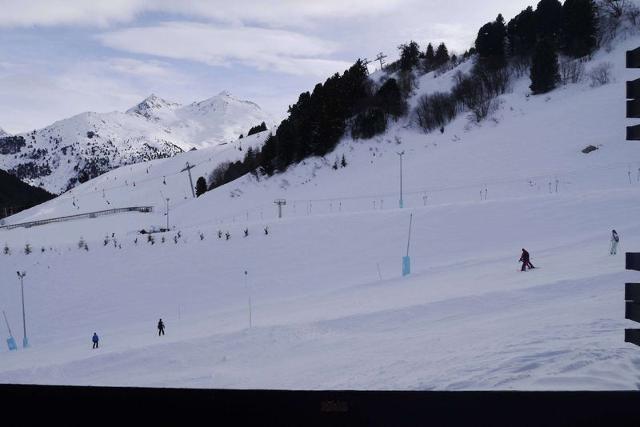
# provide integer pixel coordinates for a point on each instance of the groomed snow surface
(330, 309)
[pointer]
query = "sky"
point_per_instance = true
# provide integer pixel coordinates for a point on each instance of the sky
(59, 58)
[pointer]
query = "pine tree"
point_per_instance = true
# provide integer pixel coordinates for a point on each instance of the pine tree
(579, 27)
(27, 249)
(521, 33)
(343, 162)
(430, 58)
(442, 55)
(544, 68)
(490, 42)
(201, 186)
(409, 55)
(6, 250)
(389, 99)
(548, 16)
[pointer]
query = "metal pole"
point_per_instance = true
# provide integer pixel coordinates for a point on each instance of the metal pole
(409, 239)
(193, 191)
(25, 340)
(167, 213)
(401, 154)
(249, 291)
(7, 322)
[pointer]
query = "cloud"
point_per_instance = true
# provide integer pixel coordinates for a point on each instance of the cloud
(137, 67)
(262, 48)
(25, 13)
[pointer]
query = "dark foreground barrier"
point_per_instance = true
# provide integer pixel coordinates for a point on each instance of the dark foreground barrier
(58, 405)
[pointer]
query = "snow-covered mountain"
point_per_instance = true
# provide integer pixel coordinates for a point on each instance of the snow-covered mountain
(84, 146)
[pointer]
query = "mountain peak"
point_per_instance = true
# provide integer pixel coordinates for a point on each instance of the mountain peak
(150, 104)
(225, 94)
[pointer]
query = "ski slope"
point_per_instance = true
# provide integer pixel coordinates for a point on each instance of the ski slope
(329, 308)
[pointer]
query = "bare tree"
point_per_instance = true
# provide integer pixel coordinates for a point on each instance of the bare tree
(571, 71)
(614, 8)
(600, 74)
(633, 14)
(435, 110)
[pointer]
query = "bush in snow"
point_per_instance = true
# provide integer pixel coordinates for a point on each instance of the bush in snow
(632, 14)
(81, 243)
(571, 71)
(600, 74)
(435, 110)
(27, 249)
(6, 250)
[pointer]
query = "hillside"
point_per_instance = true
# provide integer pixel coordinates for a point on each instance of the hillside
(329, 307)
(17, 195)
(74, 150)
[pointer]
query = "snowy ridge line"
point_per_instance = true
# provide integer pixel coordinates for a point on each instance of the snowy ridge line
(144, 209)
(145, 180)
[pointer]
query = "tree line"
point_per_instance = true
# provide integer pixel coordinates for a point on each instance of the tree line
(531, 41)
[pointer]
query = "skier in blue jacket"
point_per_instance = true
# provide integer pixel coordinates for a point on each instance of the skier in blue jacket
(95, 340)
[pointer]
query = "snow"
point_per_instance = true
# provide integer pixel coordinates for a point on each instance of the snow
(330, 309)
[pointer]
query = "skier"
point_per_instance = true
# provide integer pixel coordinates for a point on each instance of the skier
(524, 259)
(246, 232)
(95, 340)
(160, 327)
(615, 239)
(266, 230)
(227, 235)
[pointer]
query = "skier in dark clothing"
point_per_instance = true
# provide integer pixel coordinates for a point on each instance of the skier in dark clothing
(615, 239)
(160, 327)
(95, 340)
(524, 259)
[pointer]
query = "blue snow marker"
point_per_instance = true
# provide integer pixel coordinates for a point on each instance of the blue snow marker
(406, 265)
(12, 344)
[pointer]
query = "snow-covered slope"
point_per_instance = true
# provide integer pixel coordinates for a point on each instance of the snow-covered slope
(82, 147)
(3, 133)
(329, 307)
